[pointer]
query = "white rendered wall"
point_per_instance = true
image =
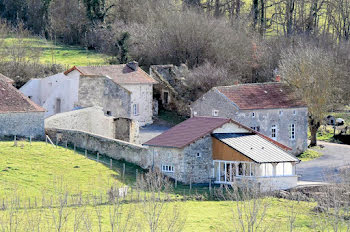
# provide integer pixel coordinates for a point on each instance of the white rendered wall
(141, 94)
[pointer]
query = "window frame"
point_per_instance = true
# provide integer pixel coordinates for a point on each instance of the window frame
(215, 113)
(135, 109)
(292, 133)
(167, 168)
(274, 131)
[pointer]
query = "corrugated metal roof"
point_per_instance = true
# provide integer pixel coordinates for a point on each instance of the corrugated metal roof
(256, 148)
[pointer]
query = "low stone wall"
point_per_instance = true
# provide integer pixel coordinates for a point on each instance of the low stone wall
(112, 148)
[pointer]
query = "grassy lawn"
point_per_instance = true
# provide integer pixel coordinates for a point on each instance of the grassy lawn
(310, 154)
(38, 169)
(57, 53)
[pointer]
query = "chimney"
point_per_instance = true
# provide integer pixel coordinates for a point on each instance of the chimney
(278, 78)
(133, 65)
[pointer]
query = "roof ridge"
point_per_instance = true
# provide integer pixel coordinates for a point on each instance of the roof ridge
(245, 84)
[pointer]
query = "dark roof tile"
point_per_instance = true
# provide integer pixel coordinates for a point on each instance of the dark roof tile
(272, 95)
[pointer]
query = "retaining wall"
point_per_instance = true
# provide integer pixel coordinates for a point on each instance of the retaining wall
(112, 148)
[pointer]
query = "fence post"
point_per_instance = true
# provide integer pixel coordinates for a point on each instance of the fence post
(210, 187)
(111, 163)
(15, 141)
(98, 157)
(30, 140)
(66, 145)
(176, 183)
(45, 139)
(56, 141)
(85, 153)
(123, 170)
(74, 147)
(136, 173)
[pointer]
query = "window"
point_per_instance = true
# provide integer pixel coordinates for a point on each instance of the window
(256, 128)
(109, 113)
(135, 109)
(292, 131)
(274, 132)
(165, 97)
(294, 112)
(198, 155)
(58, 106)
(195, 113)
(167, 168)
(266, 169)
(281, 112)
(215, 113)
(30, 97)
(253, 115)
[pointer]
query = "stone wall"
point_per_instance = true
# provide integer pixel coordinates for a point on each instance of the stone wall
(112, 148)
(262, 118)
(187, 166)
(93, 120)
(104, 92)
(142, 96)
(22, 124)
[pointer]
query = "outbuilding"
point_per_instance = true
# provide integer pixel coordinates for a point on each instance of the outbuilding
(222, 151)
(18, 114)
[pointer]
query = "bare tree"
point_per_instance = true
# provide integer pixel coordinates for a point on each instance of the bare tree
(313, 75)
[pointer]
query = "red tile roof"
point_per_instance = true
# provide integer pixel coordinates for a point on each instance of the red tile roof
(12, 100)
(120, 74)
(272, 95)
(195, 128)
(187, 132)
(6, 79)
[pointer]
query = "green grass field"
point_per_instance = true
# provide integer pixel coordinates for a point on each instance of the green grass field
(57, 53)
(37, 170)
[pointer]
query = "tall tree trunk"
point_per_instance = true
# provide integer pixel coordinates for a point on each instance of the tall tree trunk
(255, 13)
(262, 17)
(238, 8)
(314, 125)
(217, 8)
(289, 14)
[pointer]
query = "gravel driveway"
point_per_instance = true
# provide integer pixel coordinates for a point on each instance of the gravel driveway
(334, 157)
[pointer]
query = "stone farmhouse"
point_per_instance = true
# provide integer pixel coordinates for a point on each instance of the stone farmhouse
(121, 90)
(204, 149)
(18, 114)
(269, 108)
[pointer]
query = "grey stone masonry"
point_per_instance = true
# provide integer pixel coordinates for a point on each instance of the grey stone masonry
(262, 120)
(26, 124)
(104, 92)
(192, 163)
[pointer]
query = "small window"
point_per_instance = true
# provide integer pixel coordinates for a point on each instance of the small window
(253, 115)
(292, 131)
(294, 112)
(109, 113)
(30, 97)
(215, 113)
(195, 113)
(167, 168)
(258, 128)
(198, 155)
(274, 132)
(253, 127)
(165, 97)
(135, 109)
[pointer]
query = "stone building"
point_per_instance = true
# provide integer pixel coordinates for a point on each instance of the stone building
(204, 149)
(171, 91)
(121, 90)
(269, 108)
(93, 120)
(18, 114)
(124, 90)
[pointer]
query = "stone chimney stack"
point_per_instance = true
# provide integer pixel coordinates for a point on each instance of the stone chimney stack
(133, 65)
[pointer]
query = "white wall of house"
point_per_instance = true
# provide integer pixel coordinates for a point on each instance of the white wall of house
(57, 93)
(141, 102)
